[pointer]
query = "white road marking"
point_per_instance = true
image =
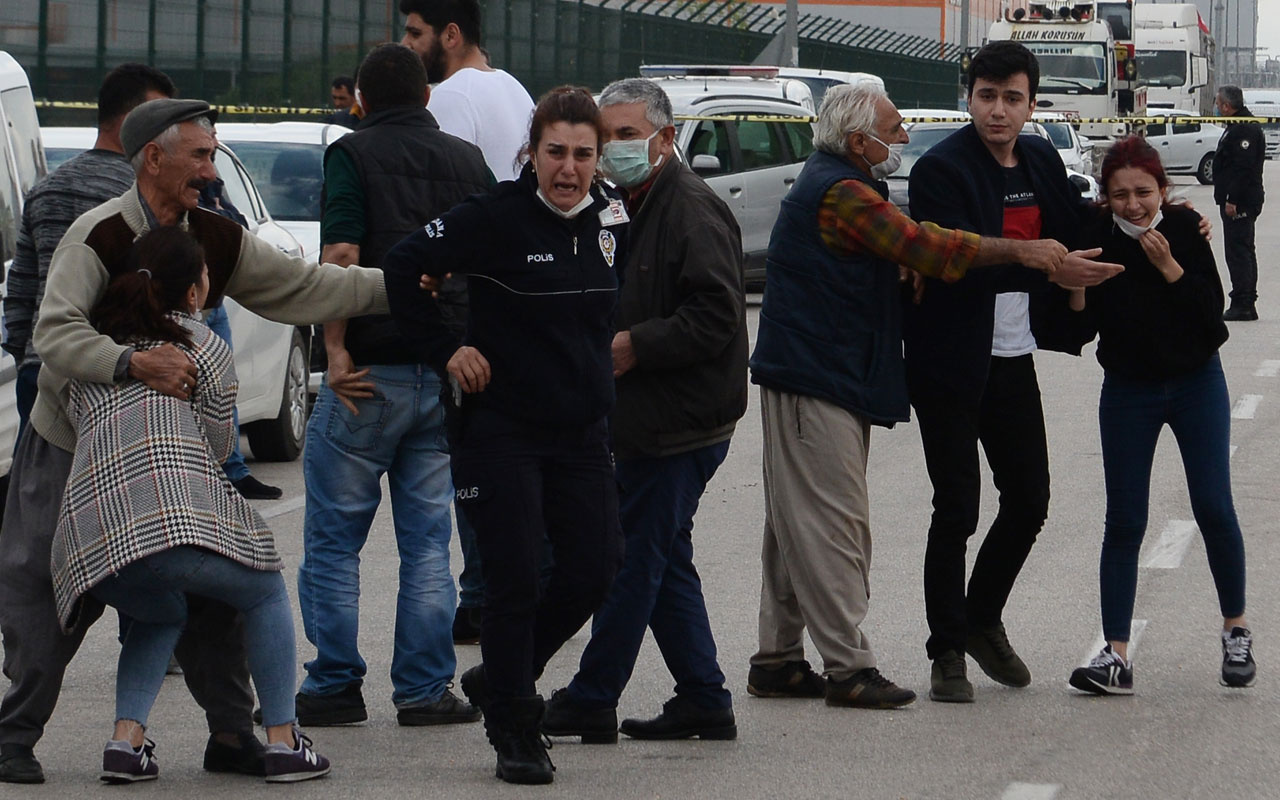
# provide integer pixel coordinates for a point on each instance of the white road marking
(284, 507)
(1136, 629)
(1167, 551)
(1246, 406)
(1031, 791)
(1269, 369)
(1232, 452)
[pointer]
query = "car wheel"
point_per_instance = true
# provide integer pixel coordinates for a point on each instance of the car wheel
(1204, 172)
(280, 439)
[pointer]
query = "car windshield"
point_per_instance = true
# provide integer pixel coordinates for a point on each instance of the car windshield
(1059, 134)
(1162, 67)
(921, 140)
(1073, 68)
(289, 176)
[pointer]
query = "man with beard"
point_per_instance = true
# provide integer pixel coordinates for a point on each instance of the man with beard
(470, 99)
(490, 109)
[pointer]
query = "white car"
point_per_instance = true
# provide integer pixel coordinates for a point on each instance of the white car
(1076, 151)
(21, 165)
(286, 161)
(271, 358)
(1186, 148)
(820, 80)
(750, 164)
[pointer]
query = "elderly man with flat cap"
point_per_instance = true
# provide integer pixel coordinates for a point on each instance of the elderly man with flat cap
(171, 145)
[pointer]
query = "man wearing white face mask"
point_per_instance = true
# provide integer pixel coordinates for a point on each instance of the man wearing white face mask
(680, 360)
(828, 359)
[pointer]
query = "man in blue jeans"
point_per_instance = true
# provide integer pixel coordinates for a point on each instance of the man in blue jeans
(680, 358)
(380, 413)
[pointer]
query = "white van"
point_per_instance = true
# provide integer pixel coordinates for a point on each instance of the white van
(820, 80)
(21, 165)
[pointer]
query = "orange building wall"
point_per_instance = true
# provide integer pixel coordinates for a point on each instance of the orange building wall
(981, 12)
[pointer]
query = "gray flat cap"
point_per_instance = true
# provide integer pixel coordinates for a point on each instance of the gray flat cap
(150, 119)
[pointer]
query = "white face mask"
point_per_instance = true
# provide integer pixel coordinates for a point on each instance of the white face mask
(1136, 231)
(887, 167)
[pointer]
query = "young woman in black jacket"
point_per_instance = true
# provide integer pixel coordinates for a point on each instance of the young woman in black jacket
(1159, 325)
(531, 459)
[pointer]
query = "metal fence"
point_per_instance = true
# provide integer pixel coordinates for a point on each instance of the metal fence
(284, 52)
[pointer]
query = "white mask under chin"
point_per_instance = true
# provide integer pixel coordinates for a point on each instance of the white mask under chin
(1135, 231)
(571, 213)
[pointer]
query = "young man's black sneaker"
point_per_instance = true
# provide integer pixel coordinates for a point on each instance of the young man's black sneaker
(564, 716)
(1238, 669)
(790, 679)
(1107, 673)
(466, 625)
(18, 764)
(949, 679)
(121, 763)
(867, 688)
(684, 719)
(245, 759)
(476, 687)
(253, 489)
(447, 709)
(344, 707)
(991, 649)
(287, 764)
(1240, 312)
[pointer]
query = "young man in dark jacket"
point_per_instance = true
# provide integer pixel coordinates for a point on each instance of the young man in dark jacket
(988, 179)
(1237, 189)
(680, 359)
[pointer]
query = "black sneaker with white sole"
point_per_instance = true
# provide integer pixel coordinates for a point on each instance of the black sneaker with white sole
(1107, 673)
(1238, 669)
(287, 764)
(123, 764)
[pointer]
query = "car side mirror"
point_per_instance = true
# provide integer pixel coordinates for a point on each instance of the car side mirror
(705, 163)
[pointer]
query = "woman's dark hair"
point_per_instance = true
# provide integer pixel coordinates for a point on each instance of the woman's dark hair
(1135, 152)
(571, 104)
(161, 267)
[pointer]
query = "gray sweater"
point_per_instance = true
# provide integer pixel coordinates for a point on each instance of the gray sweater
(241, 266)
(83, 183)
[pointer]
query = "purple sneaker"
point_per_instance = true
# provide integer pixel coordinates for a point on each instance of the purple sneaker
(287, 764)
(122, 764)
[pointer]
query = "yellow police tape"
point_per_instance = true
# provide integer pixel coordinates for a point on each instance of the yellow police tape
(220, 109)
(907, 116)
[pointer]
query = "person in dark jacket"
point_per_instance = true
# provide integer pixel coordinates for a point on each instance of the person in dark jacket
(828, 360)
(680, 357)
(347, 112)
(1159, 327)
(1237, 189)
(531, 458)
(988, 179)
(380, 413)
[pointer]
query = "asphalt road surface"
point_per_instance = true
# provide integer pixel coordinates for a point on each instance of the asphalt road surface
(1180, 736)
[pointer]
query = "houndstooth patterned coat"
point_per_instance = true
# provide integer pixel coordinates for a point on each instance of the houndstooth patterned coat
(145, 476)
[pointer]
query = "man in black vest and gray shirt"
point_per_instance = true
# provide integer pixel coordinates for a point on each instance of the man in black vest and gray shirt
(380, 411)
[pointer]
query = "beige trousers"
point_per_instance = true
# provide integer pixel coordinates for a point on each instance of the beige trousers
(817, 534)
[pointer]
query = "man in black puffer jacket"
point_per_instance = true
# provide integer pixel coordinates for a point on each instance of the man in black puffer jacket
(380, 411)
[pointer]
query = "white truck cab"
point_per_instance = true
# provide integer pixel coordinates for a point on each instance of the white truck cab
(1175, 56)
(1084, 52)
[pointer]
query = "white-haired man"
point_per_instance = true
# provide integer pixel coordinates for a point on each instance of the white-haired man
(170, 144)
(828, 360)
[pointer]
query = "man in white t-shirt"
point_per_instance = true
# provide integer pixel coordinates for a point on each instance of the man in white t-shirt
(492, 110)
(470, 99)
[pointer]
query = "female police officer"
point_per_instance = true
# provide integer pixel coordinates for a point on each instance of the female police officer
(531, 457)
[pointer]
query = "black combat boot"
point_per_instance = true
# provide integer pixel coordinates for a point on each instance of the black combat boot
(514, 729)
